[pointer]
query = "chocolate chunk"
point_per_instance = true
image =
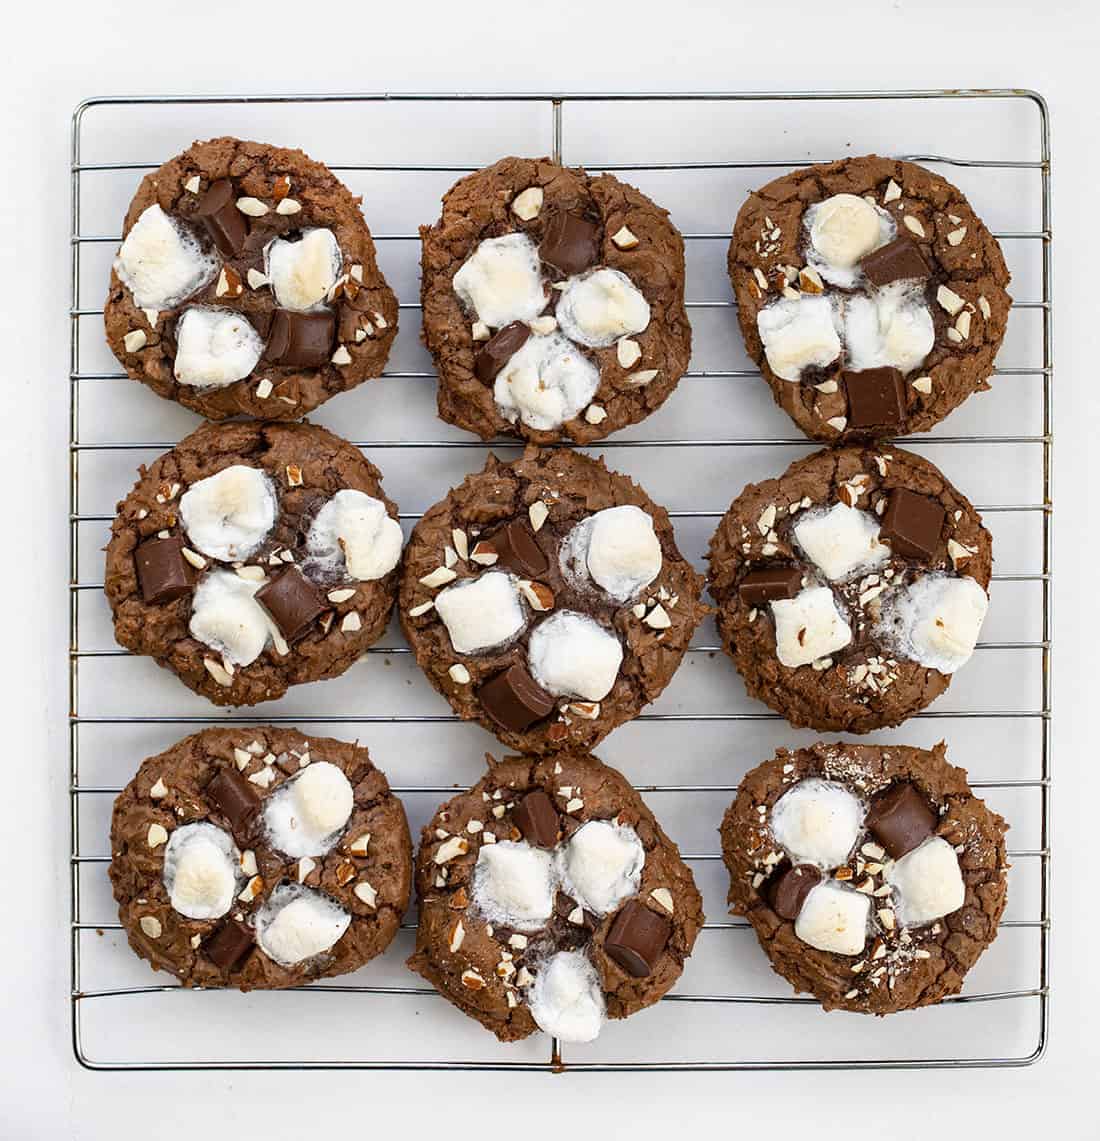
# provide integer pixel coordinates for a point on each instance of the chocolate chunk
(301, 339)
(894, 261)
(912, 524)
(637, 939)
(498, 350)
(900, 819)
(226, 225)
(787, 891)
(293, 601)
(570, 243)
(514, 700)
(235, 798)
(566, 905)
(228, 945)
(537, 818)
(761, 586)
(876, 398)
(518, 549)
(161, 570)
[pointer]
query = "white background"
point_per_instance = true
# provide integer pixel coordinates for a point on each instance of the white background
(66, 53)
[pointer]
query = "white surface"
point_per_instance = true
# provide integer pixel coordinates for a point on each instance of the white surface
(130, 48)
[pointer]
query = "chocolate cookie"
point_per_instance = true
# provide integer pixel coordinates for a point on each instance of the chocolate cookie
(870, 294)
(873, 876)
(553, 303)
(259, 858)
(246, 282)
(851, 588)
(546, 598)
(253, 557)
(550, 900)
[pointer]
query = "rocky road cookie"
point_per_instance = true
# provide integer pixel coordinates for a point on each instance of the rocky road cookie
(870, 294)
(550, 900)
(851, 588)
(873, 877)
(253, 557)
(246, 282)
(553, 303)
(546, 598)
(259, 858)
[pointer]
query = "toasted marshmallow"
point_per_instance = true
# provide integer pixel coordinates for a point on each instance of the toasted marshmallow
(161, 262)
(817, 822)
(928, 882)
(547, 382)
(808, 627)
(226, 617)
(214, 347)
(297, 923)
(228, 515)
(566, 999)
(354, 530)
(601, 865)
(304, 817)
(936, 621)
(619, 549)
(201, 869)
(501, 281)
(572, 655)
(302, 272)
(481, 612)
(834, 918)
(843, 229)
(841, 540)
(798, 334)
(514, 884)
(598, 308)
(891, 328)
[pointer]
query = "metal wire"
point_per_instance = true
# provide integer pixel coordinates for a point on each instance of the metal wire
(84, 659)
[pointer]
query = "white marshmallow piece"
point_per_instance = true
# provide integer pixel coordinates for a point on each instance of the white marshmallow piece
(624, 554)
(566, 999)
(928, 882)
(302, 272)
(817, 822)
(601, 865)
(501, 281)
(808, 627)
(798, 334)
(548, 381)
(228, 515)
(161, 263)
(891, 328)
(843, 229)
(481, 612)
(514, 884)
(937, 621)
(599, 307)
(354, 530)
(297, 923)
(305, 816)
(201, 868)
(214, 347)
(572, 655)
(841, 540)
(226, 617)
(834, 918)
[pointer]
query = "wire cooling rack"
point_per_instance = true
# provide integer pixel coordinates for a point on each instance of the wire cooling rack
(697, 154)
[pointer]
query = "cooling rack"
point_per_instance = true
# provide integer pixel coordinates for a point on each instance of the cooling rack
(697, 154)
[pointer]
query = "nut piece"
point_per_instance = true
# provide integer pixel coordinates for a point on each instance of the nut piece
(528, 203)
(451, 849)
(949, 300)
(192, 184)
(956, 236)
(257, 280)
(351, 622)
(156, 836)
(288, 206)
(594, 414)
(628, 352)
(341, 595)
(439, 577)
(538, 513)
(358, 846)
(472, 980)
(159, 790)
(809, 281)
(642, 376)
(923, 384)
(341, 356)
(134, 340)
(460, 675)
(294, 475)
(253, 207)
(538, 594)
(150, 925)
(913, 225)
(893, 191)
(484, 554)
(543, 325)
(658, 618)
(662, 896)
(457, 935)
(264, 388)
(365, 893)
(624, 239)
(217, 672)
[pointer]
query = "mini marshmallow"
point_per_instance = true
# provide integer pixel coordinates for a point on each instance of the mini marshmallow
(514, 884)
(548, 381)
(228, 515)
(843, 229)
(928, 882)
(841, 540)
(297, 923)
(302, 272)
(481, 612)
(305, 816)
(566, 999)
(936, 621)
(798, 334)
(808, 626)
(817, 822)
(161, 263)
(501, 281)
(354, 530)
(601, 865)
(226, 617)
(572, 655)
(600, 307)
(892, 328)
(834, 918)
(620, 549)
(214, 347)
(202, 866)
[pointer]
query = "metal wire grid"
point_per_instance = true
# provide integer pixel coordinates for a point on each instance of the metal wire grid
(1039, 993)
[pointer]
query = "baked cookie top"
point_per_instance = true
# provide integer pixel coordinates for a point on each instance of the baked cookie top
(870, 294)
(246, 283)
(546, 598)
(252, 557)
(873, 876)
(553, 303)
(851, 588)
(550, 900)
(259, 858)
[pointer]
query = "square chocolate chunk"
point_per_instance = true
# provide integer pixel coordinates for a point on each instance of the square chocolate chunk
(898, 260)
(537, 818)
(637, 938)
(912, 524)
(293, 601)
(876, 398)
(518, 549)
(765, 585)
(161, 570)
(900, 819)
(569, 243)
(514, 700)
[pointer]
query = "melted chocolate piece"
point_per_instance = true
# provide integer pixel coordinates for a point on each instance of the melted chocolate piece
(300, 339)
(569, 243)
(235, 798)
(637, 939)
(228, 945)
(565, 905)
(761, 586)
(787, 892)
(293, 601)
(876, 398)
(161, 570)
(894, 261)
(912, 524)
(498, 350)
(514, 700)
(518, 549)
(225, 224)
(900, 819)
(537, 818)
